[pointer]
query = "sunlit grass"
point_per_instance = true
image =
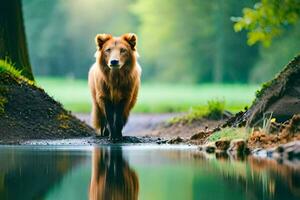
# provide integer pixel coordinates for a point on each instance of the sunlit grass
(154, 98)
(7, 66)
(213, 110)
(230, 134)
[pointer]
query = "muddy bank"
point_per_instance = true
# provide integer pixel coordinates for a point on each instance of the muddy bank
(158, 126)
(27, 112)
(90, 141)
(139, 124)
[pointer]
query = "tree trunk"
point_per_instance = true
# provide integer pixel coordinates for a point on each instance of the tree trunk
(12, 37)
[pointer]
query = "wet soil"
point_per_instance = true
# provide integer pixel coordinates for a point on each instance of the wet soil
(158, 126)
(27, 112)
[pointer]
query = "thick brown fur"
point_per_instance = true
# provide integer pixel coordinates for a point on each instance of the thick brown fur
(114, 89)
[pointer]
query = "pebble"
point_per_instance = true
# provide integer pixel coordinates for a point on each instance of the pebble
(222, 145)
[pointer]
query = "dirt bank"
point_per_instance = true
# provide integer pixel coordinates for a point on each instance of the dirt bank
(157, 125)
(278, 98)
(27, 112)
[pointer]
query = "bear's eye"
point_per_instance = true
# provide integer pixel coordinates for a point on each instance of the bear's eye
(122, 50)
(107, 50)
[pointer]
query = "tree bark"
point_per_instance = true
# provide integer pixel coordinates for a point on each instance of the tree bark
(12, 37)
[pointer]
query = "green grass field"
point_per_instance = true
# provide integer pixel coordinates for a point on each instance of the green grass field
(153, 98)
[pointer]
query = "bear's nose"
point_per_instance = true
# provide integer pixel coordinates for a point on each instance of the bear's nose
(114, 62)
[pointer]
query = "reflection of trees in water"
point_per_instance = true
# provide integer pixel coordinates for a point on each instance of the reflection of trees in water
(257, 178)
(112, 178)
(30, 174)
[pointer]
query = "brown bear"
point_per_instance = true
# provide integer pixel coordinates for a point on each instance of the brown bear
(114, 81)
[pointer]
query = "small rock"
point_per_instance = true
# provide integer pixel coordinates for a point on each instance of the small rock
(216, 129)
(210, 147)
(292, 149)
(163, 141)
(238, 145)
(260, 152)
(197, 136)
(201, 148)
(280, 149)
(222, 145)
(176, 140)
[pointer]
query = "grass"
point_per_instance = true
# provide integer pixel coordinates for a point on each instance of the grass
(230, 134)
(7, 66)
(213, 110)
(154, 98)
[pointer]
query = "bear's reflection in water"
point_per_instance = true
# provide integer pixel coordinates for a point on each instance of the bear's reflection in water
(112, 178)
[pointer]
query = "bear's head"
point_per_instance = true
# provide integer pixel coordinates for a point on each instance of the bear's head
(116, 52)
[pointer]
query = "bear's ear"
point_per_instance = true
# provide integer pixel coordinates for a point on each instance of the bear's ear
(100, 39)
(131, 38)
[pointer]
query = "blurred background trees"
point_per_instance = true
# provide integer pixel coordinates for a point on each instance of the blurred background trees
(191, 41)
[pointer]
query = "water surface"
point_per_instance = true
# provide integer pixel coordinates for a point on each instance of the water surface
(140, 172)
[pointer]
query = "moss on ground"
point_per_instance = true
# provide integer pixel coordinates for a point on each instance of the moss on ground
(264, 86)
(63, 117)
(3, 101)
(7, 68)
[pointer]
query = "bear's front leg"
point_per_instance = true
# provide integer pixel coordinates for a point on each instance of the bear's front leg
(109, 112)
(104, 129)
(96, 119)
(120, 119)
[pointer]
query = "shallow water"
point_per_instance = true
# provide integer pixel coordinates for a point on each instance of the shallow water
(140, 172)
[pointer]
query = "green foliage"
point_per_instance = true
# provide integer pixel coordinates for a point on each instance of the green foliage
(267, 121)
(213, 110)
(195, 113)
(179, 41)
(61, 42)
(267, 19)
(173, 51)
(229, 134)
(264, 86)
(6, 66)
(273, 59)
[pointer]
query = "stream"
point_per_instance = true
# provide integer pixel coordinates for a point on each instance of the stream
(145, 171)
